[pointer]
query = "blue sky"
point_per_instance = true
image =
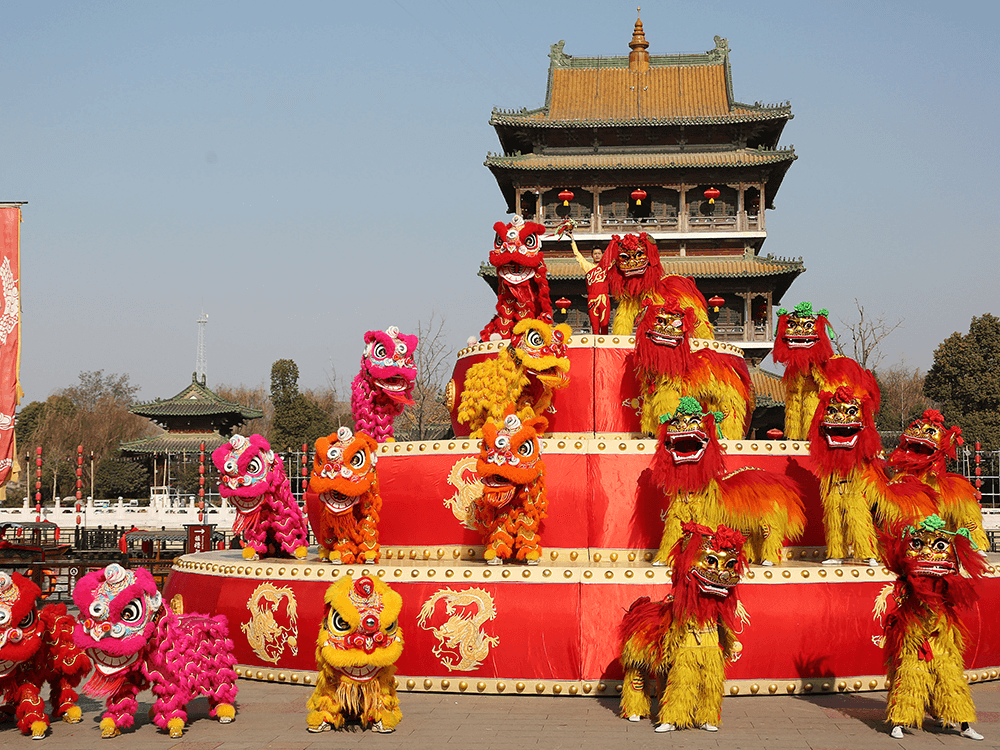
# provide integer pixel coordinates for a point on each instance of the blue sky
(309, 171)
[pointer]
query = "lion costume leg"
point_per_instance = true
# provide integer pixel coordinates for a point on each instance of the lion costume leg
(950, 697)
(30, 711)
(909, 689)
(693, 696)
(325, 711)
(635, 694)
(384, 715)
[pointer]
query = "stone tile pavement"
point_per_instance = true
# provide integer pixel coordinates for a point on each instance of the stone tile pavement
(272, 716)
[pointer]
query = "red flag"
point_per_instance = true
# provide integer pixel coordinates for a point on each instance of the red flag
(10, 331)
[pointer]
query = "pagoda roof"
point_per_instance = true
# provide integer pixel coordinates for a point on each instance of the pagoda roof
(194, 401)
(730, 158)
(175, 442)
(648, 90)
(768, 387)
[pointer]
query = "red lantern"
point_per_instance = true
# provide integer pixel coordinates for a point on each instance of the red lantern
(562, 303)
(638, 195)
(716, 302)
(775, 434)
(566, 196)
(712, 193)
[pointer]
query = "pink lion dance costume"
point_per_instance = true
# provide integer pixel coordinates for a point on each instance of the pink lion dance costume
(37, 647)
(254, 481)
(383, 387)
(134, 644)
(522, 281)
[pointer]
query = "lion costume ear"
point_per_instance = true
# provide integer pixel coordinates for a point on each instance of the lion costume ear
(538, 424)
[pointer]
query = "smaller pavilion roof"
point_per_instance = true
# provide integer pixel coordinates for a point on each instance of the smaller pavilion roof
(175, 442)
(195, 400)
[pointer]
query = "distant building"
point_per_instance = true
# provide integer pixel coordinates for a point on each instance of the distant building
(668, 126)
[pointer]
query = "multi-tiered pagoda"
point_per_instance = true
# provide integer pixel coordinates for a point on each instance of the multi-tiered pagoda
(654, 143)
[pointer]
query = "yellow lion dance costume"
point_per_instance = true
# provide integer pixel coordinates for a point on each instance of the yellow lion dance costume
(688, 638)
(525, 374)
(358, 645)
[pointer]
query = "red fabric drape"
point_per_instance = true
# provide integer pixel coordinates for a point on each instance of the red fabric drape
(10, 332)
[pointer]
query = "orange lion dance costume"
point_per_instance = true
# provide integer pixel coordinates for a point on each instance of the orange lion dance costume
(925, 448)
(802, 345)
(533, 365)
(358, 645)
(846, 446)
(687, 638)
(36, 646)
(343, 498)
(514, 502)
(924, 635)
(689, 469)
(667, 369)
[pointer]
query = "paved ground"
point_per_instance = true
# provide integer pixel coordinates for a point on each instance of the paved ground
(273, 716)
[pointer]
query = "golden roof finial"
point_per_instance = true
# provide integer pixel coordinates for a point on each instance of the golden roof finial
(638, 59)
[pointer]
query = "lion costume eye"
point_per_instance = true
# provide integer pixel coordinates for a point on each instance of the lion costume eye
(526, 448)
(255, 466)
(230, 467)
(338, 624)
(391, 627)
(534, 339)
(497, 241)
(531, 241)
(358, 459)
(27, 621)
(132, 612)
(378, 351)
(333, 453)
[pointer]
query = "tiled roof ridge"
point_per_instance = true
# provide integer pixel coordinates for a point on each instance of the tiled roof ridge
(208, 396)
(740, 113)
(671, 159)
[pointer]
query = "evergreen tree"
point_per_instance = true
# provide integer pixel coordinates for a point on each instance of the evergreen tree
(297, 419)
(965, 380)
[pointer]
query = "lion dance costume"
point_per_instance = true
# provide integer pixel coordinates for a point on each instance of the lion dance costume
(854, 487)
(687, 638)
(36, 647)
(522, 281)
(253, 480)
(690, 470)
(134, 644)
(925, 448)
(343, 498)
(358, 645)
(924, 635)
(514, 502)
(802, 345)
(384, 385)
(533, 365)
(634, 272)
(667, 369)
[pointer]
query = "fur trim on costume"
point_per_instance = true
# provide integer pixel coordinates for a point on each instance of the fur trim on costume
(522, 277)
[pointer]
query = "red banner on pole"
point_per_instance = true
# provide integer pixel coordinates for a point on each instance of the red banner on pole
(10, 332)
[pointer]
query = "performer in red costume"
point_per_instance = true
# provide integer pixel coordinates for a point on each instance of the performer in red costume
(522, 283)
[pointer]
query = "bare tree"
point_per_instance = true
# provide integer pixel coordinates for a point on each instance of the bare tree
(866, 336)
(256, 397)
(428, 416)
(903, 400)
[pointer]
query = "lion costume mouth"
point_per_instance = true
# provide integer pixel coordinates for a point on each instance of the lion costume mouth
(109, 664)
(515, 273)
(338, 502)
(360, 672)
(712, 588)
(686, 447)
(663, 339)
(937, 568)
(842, 435)
(919, 445)
(800, 342)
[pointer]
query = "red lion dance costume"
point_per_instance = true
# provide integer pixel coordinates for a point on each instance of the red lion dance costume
(522, 284)
(690, 470)
(134, 644)
(384, 385)
(343, 498)
(514, 502)
(358, 645)
(924, 635)
(689, 637)
(267, 516)
(668, 369)
(846, 446)
(37, 647)
(925, 448)
(635, 276)
(802, 345)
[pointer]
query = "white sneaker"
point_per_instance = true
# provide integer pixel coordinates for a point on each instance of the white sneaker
(710, 727)
(659, 564)
(872, 562)
(767, 564)
(665, 728)
(971, 733)
(495, 561)
(324, 727)
(532, 562)
(833, 561)
(378, 727)
(634, 718)
(896, 733)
